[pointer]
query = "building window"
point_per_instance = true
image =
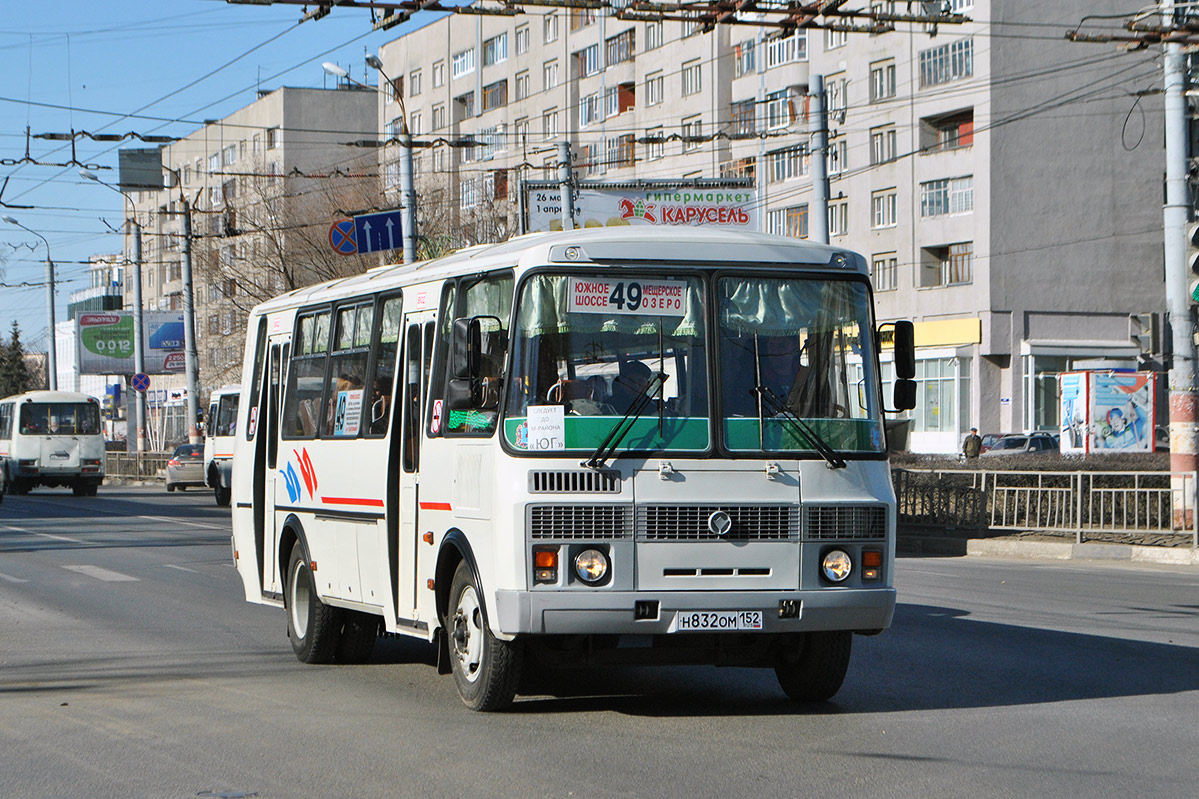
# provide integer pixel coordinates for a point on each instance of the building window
(834, 39)
(491, 140)
(438, 74)
(653, 35)
(549, 75)
(692, 78)
(620, 47)
(414, 82)
(796, 225)
(495, 50)
(947, 132)
(692, 133)
(949, 62)
(439, 119)
(522, 40)
(780, 108)
(882, 144)
(416, 127)
(743, 58)
(495, 95)
(582, 17)
(950, 265)
(549, 123)
(625, 151)
(838, 156)
(229, 155)
(787, 50)
(550, 28)
(214, 163)
(464, 105)
(883, 208)
(589, 110)
(786, 164)
(835, 91)
(838, 218)
(883, 267)
(947, 196)
(463, 63)
(653, 88)
(742, 118)
(882, 81)
(655, 144)
(960, 5)
(522, 85)
(587, 61)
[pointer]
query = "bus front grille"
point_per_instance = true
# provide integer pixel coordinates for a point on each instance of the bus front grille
(572, 481)
(692, 523)
(846, 523)
(598, 522)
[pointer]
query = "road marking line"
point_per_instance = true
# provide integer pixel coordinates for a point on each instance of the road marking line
(170, 520)
(102, 574)
(11, 579)
(180, 568)
(60, 538)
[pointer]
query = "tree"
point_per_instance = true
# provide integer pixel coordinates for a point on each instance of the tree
(15, 375)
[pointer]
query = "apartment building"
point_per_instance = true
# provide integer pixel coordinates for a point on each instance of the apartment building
(1004, 183)
(264, 184)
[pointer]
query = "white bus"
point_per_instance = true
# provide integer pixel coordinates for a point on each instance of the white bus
(607, 445)
(218, 441)
(51, 438)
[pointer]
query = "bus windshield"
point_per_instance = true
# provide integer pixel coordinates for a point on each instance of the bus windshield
(583, 347)
(60, 418)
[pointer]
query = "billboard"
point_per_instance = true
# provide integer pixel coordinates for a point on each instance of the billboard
(105, 342)
(728, 204)
(1107, 412)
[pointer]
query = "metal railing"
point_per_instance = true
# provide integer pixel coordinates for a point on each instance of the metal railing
(145, 466)
(1084, 504)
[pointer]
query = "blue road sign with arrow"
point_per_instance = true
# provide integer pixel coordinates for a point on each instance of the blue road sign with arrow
(379, 232)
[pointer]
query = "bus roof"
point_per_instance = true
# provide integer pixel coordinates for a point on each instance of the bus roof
(601, 247)
(50, 396)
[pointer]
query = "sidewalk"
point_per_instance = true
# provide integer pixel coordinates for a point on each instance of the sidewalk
(960, 543)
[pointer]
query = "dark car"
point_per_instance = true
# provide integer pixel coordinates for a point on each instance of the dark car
(186, 467)
(1020, 443)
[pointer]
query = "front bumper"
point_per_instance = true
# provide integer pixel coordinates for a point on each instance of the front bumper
(612, 612)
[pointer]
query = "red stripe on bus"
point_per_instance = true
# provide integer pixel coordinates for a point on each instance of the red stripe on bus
(375, 503)
(435, 506)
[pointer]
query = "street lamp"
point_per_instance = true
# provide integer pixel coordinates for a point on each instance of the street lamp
(139, 355)
(407, 192)
(51, 357)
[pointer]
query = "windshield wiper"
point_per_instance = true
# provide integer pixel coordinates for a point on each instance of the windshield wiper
(780, 409)
(621, 429)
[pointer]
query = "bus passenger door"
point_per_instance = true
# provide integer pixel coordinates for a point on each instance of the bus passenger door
(271, 579)
(412, 386)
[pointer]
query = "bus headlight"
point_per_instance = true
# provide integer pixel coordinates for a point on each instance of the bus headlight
(591, 566)
(836, 565)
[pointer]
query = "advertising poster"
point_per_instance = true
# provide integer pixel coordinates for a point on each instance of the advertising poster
(105, 342)
(1073, 416)
(701, 206)
(1121, 411)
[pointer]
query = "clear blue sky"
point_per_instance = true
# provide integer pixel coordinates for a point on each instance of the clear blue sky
(88, 64)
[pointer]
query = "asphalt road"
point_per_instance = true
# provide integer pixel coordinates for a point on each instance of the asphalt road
(130, 666)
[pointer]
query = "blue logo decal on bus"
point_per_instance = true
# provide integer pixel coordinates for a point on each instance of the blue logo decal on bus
(293, 482)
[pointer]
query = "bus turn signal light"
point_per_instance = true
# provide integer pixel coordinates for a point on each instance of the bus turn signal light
(872, 564)
(545, 565)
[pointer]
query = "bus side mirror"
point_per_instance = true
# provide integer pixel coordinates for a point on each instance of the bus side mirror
(477, 348)
(905, 350)
(904, 396)
(465, 346)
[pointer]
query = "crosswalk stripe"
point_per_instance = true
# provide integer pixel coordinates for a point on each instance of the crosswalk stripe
(11, 579)
(102, 574)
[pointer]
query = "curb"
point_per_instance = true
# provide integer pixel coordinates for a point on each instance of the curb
(1048, 550)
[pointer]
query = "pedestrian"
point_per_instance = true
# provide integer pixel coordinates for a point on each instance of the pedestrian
(973, 444)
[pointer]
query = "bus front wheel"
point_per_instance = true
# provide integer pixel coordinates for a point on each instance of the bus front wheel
(222, 494)
(814, 671)
(486, 669)
(312, 625)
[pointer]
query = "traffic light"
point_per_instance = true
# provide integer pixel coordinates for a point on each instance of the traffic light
(1193, 259)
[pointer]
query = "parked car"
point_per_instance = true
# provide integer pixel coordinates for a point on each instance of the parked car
(989, 440)
(186, 467)
(1019, 443)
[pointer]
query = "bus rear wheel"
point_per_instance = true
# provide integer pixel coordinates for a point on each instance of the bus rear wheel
(312, 625)
(486, 670)
(222, 495)
(814, 671)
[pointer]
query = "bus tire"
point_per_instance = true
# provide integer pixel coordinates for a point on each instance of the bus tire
(222, 494)
(3, 483)
(170, 487)
(358, 634)
(486, 670)
(815, 670)
(79, 489)
(312, 625)
(20, 487)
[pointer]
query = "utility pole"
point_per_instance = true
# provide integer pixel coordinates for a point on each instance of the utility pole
(51, 356)
(191, 361)
(818, 126)
(564, 180)
(1184, 432)
(139, 353)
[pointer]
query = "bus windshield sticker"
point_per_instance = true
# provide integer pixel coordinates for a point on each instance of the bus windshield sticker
(547, 427)
(648, 297)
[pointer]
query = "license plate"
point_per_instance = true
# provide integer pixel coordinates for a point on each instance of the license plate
(711, 621)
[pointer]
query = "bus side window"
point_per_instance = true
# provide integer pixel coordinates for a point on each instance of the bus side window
(306, 376)
(255, 382)
(386, 348)
(412, 384)
(5, 422)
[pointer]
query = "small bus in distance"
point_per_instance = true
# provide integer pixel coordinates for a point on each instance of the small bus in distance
(218, 441)
(51, 438)
(617, 445)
